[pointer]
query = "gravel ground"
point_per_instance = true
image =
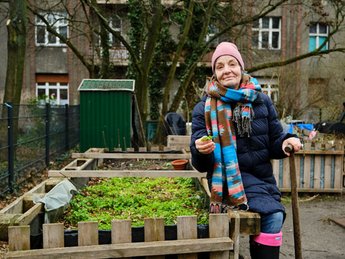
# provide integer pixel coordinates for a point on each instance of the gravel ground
(321, 238)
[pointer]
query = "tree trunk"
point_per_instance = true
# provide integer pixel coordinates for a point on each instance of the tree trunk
(148, 55)
(16, 27)
(172, 72)
(16, 44)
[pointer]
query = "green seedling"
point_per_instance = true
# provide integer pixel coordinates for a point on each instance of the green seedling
(206, 138)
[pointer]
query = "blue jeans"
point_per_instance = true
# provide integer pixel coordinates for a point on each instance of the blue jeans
(272, 223)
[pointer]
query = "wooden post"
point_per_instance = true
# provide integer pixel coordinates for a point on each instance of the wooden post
(19, 238)
(294, 204)
(154, 231)
(87, 233)
(53, 235)
(219, 227)
(235, 236)
(121, 231)
(187, 229)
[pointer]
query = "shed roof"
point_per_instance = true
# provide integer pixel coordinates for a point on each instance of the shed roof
(107, 85)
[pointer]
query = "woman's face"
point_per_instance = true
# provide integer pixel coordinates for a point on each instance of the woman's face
(228, 71)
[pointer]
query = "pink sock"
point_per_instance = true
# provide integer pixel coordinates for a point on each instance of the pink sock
(269, 239)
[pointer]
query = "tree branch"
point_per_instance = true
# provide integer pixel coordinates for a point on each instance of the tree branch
(294, 59)
(93, 6)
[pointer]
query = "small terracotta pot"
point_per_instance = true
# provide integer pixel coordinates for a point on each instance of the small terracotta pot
(179, 164)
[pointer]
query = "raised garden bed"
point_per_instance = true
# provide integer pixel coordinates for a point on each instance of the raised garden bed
(136, 199)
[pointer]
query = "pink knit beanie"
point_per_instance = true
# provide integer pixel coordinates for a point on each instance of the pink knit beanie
(227, 48)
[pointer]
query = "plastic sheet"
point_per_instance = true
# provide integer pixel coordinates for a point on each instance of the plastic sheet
(56, 200)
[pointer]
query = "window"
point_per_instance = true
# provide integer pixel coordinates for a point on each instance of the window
(58, 21)
(318, 33)
(116, 25)
(266, 33)
(270, 87)
(272, 91)
(52, 89)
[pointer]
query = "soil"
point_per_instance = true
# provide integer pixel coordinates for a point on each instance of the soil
(321, 237)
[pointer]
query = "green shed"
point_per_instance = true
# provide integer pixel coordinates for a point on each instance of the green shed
(105, 113)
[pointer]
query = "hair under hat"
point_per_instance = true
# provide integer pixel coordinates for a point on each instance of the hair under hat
(227, 48)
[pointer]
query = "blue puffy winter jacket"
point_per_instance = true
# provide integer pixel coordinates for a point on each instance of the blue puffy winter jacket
(254, 153)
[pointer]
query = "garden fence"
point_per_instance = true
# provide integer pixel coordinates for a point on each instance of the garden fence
(32, 135)
(187, 243)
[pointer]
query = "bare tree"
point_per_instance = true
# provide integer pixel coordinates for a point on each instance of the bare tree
(231, 17)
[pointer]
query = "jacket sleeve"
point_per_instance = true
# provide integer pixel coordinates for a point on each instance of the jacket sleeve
(276, 132)
(201, 162)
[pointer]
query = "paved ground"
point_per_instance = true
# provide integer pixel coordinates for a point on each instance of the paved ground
(321, 237)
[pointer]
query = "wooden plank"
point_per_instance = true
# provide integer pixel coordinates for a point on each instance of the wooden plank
(51, 183)
(154, 148)
(121, 231)
(187, 229)
(219, 227)
(19, 238)
(17, 206)
(171, 156)
(338, 174)
(129, 249)
(30, 196)
(320, 152)
(154, 231)
(311, 190)
(179, 141)
(317, 172)
(6, 220)
(328, 172)
(249, 222)
(286, 173)
(78, 164)
(126, 173)
(307, 169)
(298, 176)
(87, 233)
(300, 171)
(235, 236)
(53, 235)
(28, 216)
(312, 171)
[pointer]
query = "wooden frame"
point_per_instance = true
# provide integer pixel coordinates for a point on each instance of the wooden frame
(219, 243)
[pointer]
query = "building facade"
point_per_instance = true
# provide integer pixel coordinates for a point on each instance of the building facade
(312, 87)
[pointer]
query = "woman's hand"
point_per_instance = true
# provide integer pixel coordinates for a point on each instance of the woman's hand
(205, 145)
(294, 142)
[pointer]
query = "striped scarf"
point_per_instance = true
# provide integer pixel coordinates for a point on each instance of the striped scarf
(219, 118)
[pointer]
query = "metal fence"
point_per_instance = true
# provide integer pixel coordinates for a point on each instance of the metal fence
(30, 137)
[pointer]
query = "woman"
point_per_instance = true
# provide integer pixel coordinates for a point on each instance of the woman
(246, 134)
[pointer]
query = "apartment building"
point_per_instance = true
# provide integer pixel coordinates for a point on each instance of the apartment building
(309, 86)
